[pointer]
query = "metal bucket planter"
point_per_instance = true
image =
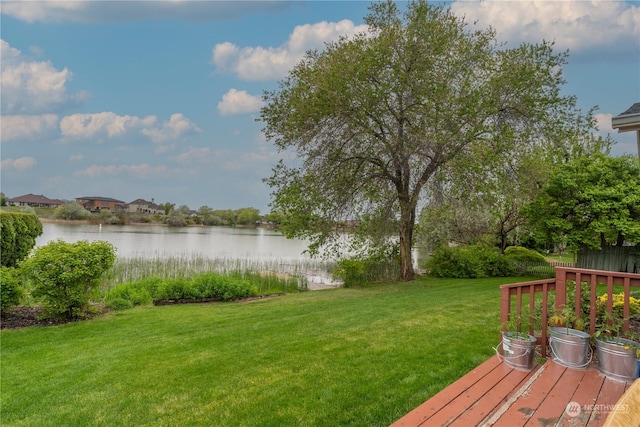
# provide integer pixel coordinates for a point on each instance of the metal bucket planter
(617, 359)
(570, 347)
(518, 352)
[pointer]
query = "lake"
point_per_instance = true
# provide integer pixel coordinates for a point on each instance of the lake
(258, 245)
(158, 240)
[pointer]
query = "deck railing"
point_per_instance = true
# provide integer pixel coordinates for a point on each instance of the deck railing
(526, 296)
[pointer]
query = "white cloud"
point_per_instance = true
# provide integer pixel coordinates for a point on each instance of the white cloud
(21, 164)
(76, 158)
(195, 155)
(272, 63)
(100, 11)
(110, 125)
(101, 124)
(177, 127)
(27, 127)
(603, 121)
(139, 171)
(607, 27)
(33, 86)
(239, 102)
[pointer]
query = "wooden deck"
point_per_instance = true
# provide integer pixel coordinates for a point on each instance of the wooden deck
(494, 394)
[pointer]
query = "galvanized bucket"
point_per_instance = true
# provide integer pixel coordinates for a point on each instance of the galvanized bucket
(517, 352)
(617, 362)
(570, 348)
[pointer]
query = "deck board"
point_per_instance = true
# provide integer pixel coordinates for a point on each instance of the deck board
(494, 394)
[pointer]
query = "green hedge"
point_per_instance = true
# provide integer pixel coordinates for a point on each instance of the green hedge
(206, 285)
(18, 233)
(468, 262)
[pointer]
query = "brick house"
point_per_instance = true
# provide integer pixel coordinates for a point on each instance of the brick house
(36, 201)
(144, 207)
(97, 204)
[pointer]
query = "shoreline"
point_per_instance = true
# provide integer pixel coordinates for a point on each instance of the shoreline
(88, 222)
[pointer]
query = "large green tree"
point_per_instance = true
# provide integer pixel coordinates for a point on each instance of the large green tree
(590, 201)
(366, 123)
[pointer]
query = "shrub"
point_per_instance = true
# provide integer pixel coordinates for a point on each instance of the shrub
(352, 272)
(71, 211)
(136, 293)
(206, 285)
(66, 274)
(520, 254)
(214, 285)
(10, 290)
(617, 306)
(179, 288)
(18, 232)
(361, 271)
(468, 262)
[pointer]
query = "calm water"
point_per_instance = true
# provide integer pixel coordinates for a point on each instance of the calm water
(153, 241)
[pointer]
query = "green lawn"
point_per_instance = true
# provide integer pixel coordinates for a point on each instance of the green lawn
(340, 357)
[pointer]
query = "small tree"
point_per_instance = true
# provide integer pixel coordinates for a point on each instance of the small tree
(590, 201)
(176, 219)
(248, 216)
(65, 274)
(167, 207)
(71, 211)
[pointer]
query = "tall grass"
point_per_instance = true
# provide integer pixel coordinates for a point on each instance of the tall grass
(273, 275)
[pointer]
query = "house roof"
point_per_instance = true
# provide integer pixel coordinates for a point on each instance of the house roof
(36, 199)
(634, 109)
(141, 202)
(145, 202)
(102, 199)
(629, 120)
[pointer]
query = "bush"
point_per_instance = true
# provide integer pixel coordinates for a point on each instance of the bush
(136, 293)
(18, 232)
(66, 274)
(10, 290)
(206, 285)
(359, 271)
(179, 288)
(617, 306)
(71, 211)
(520, 254)
(528, 262)
(468, 262)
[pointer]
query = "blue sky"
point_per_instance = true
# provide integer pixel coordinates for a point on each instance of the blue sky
(159, 99)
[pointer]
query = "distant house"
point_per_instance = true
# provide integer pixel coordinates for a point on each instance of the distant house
(97, 204)
(34, 201)
(144, 207)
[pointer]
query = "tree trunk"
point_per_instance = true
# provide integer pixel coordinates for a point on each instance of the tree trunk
(407, 271)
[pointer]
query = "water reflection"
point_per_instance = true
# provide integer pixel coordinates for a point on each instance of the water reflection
(153, 240)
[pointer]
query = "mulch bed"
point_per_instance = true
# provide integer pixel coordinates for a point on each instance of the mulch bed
(22, 317)
(205, 300)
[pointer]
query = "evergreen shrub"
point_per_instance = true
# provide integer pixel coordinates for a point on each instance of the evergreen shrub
(468, 262)
(10, 290)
